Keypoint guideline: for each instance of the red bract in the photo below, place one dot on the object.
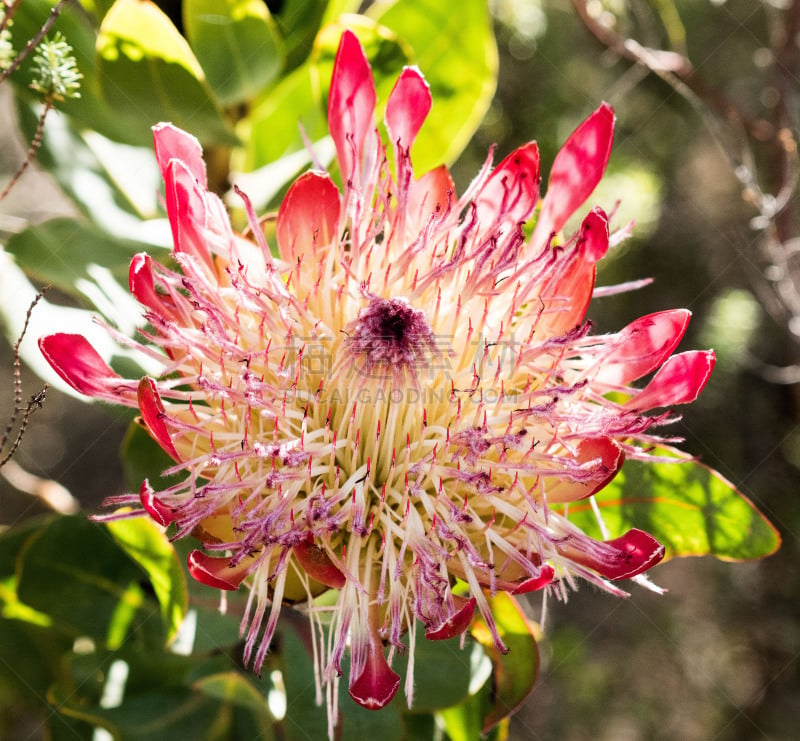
(401, 403)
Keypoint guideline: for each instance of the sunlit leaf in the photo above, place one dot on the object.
(116, 185)
(91, 108)
(147, 544)
(688, 507)
(456, 51)
(61, 252)
(148, 73)
(299, 21)
(515, 672)
(236, 43)
(273, 128)
(74, 571)
(304, 717)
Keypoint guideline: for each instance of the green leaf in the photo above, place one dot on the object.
(60, 252)
(441, 672)
(164, 696)
(143, 458)
(688, 507)
(462, 74)
(148, 73)
(299, 21)
(236, 43)
(232, 688)
(115, 185)
(91, 109)
(515, 672)
(147, 544)
(30, 657)
(163, 715)
(74, 571)
(97, 7)
(304, 718)
(272, 130)
(12, 540)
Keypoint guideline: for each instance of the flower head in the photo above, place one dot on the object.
(399, 405)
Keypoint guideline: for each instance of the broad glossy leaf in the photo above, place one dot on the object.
(62, 253)
(685, 505)
(74, 571)
(456, 51)
(148, 73)
(97, 7)
(515, 672)
(116, 185)
(147, 544)
(464, 722)
(236, 43)
(299, 21)
(91, 109)
(273, 128)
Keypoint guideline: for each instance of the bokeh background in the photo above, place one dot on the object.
(698, 151)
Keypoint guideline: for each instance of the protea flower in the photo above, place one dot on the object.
(400, 403)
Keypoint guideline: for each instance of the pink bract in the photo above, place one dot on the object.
(398, 398)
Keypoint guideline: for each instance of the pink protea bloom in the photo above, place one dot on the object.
(400, 404)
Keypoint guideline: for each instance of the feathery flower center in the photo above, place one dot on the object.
(389, 333)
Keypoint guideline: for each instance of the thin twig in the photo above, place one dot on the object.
(34, 403)
(34, 42)
(9, 9)
(30, 155)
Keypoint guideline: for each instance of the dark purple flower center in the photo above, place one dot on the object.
(389, 332)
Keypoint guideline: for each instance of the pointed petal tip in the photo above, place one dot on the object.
(308, 216)
(154, 415)
(77, 362)
(537, 582)
(351, 103)
(318, 565)
(173, 143)
(377, 684)
(456, 624)
(577, 169)
(216, 572)
(679, 381)
(158, 511)
(408, 106)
